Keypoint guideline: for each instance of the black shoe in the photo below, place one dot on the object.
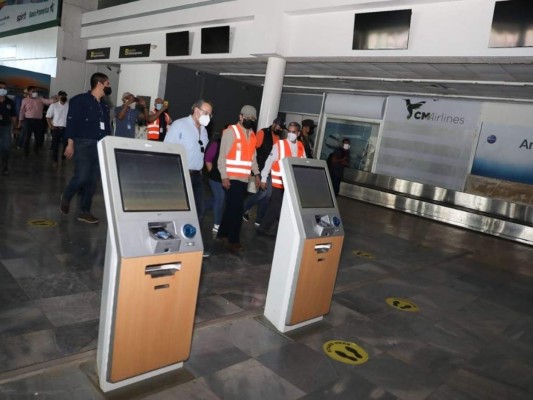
(64, 206)
(245, 217)
(88, 218)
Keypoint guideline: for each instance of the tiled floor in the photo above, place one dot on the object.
(471, 339)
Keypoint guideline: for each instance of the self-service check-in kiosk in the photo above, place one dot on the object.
(153, 261)
(308, 247)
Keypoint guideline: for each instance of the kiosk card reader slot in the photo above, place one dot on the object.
(163, 237)
(305, 264)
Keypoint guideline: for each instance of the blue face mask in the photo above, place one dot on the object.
(158, 106)
(3, 92)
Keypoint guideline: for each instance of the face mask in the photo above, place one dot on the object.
(34, 94)
(346, 146)
(292, 136)
(107, 90)
(3, 92)
(63, 99)
(247, 123)
(158, 106)
(204, 120)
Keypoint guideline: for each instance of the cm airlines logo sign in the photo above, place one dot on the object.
(416, 111)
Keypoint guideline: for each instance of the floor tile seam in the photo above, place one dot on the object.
(495, 377)
(355, 285)
(241, 315)
(47, 366)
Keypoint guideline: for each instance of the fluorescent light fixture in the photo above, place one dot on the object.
(8, 52)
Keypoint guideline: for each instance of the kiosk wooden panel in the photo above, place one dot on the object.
(316, 279)
(154, 316)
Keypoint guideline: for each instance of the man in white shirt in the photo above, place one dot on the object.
(190, 132)
(56, 116)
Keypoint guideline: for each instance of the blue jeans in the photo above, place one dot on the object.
(86, 173)
(261, 198)
(219, 195)
(5, 146)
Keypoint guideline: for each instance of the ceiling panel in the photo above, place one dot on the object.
(453, 79)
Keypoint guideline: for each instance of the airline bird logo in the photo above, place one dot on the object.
(412, 107)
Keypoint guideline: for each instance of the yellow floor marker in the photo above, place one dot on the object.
(402, 304)
(42, 223)
(364, 254)
(345, 352)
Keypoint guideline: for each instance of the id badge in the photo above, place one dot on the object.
(102, 126)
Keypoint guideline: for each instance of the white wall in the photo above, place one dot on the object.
(298, 28)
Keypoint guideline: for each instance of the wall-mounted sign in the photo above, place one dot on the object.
(428, 140)
(98, 54)
(27, 16)
(505, 152)
(134, 51)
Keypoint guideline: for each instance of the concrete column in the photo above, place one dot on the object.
(271, 91)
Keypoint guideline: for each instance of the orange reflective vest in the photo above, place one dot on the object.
(239, 158)
(284, 150)
(153, 128)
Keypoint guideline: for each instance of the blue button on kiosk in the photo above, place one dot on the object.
(308, 247)
(153, 261)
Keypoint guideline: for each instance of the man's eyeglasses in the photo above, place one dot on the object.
(201, 146)
(205, 112)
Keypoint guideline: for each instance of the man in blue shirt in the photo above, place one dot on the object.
(190, 132)
(88, 121)
(127, 117)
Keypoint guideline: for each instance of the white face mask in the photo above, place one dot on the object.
(292, 136)
(3, 92)
(158, 106)
(34, 94)
(204, 120)
(346, 146)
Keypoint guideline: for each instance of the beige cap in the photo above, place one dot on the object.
(126, 94)
(249, 112)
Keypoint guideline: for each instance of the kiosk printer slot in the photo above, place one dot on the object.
(308, 247)
(153, 261)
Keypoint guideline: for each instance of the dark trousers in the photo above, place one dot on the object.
(86, 173)
(230, 227)
(5, 147)
(35, 126)
(198, 192)
(273, 210)
(58, 138)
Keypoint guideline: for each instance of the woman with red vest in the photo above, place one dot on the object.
(236, 161)
(290, 147)
(158, 121)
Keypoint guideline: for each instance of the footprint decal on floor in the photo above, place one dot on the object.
(345, 352)
(402, 304)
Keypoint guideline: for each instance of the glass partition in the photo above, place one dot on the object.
(362, 135)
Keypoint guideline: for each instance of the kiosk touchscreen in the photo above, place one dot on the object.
(308, 247)
(153, 261)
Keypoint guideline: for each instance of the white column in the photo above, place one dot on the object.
(143, 80)
(271, 91)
